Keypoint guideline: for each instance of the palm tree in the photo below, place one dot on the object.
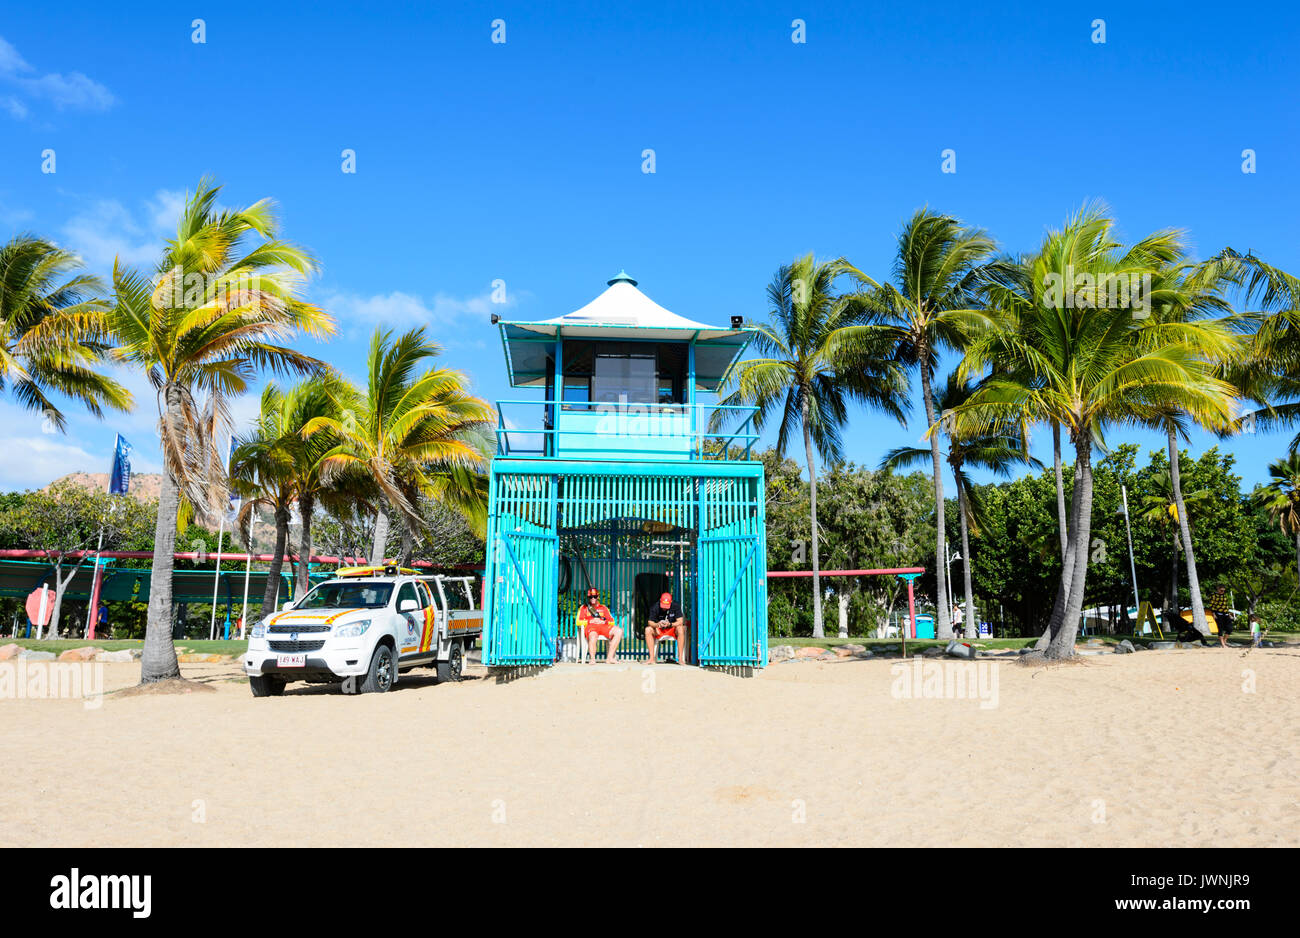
(275, 467)
(932, 309)
(1183, 297)
(1000, 451)
(1281, 496)
(1160, 507)
(818, 351)
(208, 318)
(410, 431)
(1077, 354)
(52, 331)
(1006, 286)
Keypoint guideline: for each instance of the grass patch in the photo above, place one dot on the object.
(192, 646)
(873, 643)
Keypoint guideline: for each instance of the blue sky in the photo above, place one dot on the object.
(521, 161)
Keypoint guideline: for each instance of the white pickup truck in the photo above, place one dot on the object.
(363, 629)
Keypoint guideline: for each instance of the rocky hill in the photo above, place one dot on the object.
(144, 485)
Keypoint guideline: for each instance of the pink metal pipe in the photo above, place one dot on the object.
(885, 570)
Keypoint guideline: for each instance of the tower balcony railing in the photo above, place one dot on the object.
(621, 431)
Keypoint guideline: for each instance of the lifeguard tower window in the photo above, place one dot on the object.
(623, 372)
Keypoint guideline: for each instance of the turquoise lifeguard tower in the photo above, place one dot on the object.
(614, 480)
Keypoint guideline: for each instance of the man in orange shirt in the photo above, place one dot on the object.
(596, 621)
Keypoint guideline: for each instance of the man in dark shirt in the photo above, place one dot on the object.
(666, 621)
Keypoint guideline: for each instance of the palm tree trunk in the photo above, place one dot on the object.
(1060, 487)
(408, 545)
(158, 659)
(1171, 602)
(942, 620)
(306, 505)
(381, 538)
(1193, 582)
(277, 561)
(1297, 555)
(972, 623)
(819, 630)
(1065, 619)
(1067, 564)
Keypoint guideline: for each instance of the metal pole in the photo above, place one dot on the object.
(216, 578)
(952, 611)
(911, 611)
(1128, 532)
(248, 569)
(94, 589)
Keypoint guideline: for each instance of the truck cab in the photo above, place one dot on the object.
(363, 630)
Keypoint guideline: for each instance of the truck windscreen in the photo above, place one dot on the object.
(352, 594)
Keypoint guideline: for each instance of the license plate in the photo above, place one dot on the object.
(291, 661)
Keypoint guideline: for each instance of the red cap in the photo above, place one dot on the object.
(666, 600)
(593, 592)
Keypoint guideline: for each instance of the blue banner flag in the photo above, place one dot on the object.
(119, 481)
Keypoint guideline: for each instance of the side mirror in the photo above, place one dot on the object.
(287, 606)
(407, 605)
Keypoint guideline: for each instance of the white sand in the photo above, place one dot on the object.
(1156, 748)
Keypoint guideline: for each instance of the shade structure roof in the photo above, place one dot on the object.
(620, 313)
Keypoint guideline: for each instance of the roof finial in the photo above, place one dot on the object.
(621, 278)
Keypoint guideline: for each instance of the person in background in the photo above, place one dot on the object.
(1222, 610)
(595, 621)
(1256, 634)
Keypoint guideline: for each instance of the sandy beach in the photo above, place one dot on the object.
(1150, 749)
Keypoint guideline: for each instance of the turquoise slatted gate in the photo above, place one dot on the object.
(524, 547)
(732, 581)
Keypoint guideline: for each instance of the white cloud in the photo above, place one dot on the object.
(35, 461)
(401, 311)
(73, 91)
(108, 229)
(10, 61)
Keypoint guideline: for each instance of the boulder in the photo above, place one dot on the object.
(810, 651)
(848, 651)
(80, 654)
(864, 653)
(780, 653)
(10, 651)
(932, 651)
(29, 655)
(125, 655)
(958, 649)
(1164, 646)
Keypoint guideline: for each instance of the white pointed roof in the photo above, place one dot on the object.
(621, 312)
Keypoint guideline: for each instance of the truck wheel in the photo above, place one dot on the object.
(451, 669)
(380, 676)
(264, 685)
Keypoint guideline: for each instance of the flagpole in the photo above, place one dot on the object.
(216, 579)
(221, 528)
(94, 589)
(248, 569)
(97, 575)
